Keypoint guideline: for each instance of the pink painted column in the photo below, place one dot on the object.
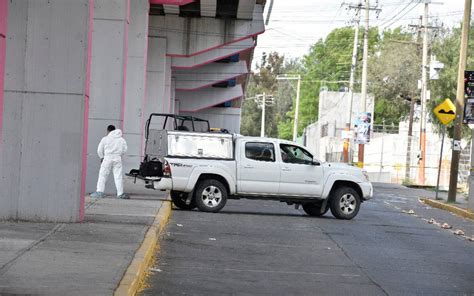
(85, 134)
(143, 119)
(125, 61)
(3, 47)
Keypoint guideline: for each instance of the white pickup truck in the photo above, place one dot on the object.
(203, 170)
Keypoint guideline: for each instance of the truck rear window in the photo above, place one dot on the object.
(260, 151)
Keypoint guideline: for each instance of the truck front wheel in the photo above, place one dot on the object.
(210, 195)
(344, 203)
(179, 200)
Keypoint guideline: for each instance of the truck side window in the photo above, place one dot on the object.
(295, 154)
(260, 151)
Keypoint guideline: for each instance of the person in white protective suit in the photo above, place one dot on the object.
(111, 149)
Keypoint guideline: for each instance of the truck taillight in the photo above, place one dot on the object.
(167, 169)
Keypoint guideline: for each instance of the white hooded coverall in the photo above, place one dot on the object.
(111, 148)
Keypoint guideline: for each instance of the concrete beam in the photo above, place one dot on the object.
(187, 37)
(212, 55)
(245, 9)
(171, 9)
(207, 97)
(208, 8)
(158, 78)
(228, 118)
(42, 160)
(136, 83)
(108, 78)
(207, 75)
(3, 49)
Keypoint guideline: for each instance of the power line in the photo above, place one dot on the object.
(408, 11)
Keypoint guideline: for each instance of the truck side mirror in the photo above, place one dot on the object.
(316, 162)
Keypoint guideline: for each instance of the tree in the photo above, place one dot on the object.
(446, 48)
(393, 75)
(326, 65)
(264, 81)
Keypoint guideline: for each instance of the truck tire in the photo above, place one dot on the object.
(314, 209)
(210, 195)
(179, 200)
(344, 203)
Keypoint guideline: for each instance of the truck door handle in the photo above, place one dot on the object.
(248, 167)
(286, 169)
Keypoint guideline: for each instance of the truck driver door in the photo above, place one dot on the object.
(258, 169)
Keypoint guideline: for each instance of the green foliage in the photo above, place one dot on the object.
(446, 48)
(393, 75)
(327, 65)
(264, 81)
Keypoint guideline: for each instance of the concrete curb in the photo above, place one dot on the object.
(448, 207)
(137, 269)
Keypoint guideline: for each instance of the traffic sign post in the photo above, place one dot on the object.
(446, 112)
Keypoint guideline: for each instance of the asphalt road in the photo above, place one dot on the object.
(269, 248)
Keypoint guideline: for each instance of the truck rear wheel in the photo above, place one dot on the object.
(179, 200)
(210, 195)
(314, 209)
(345, 203)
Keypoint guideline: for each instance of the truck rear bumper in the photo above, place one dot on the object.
(367, 190)
(163, 184)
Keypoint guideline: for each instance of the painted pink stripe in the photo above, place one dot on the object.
(145, 93)
(214, 47)
(3, 49)
(212, 83)
(172, 2)
(210, 106)
(212, 60)
(85, 133)
(125, 63)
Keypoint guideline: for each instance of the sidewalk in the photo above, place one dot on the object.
(87, 258)
(430, 194)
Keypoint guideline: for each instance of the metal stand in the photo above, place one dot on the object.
(440, 160)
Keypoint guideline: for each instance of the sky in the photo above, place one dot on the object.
(297, 24)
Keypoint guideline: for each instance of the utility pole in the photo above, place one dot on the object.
(424, 91)
(412, 113)
(262, 100)
(363, 101)
(424, 87)
(262, 127)
(297, 107)
(351, 83)
(453, 178)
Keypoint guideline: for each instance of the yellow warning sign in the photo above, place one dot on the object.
(446, 111)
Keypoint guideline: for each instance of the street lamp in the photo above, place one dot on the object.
(295, 123)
